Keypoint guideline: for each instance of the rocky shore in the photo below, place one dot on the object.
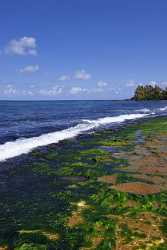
(106, 190)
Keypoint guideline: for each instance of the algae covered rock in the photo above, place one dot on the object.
(27, 246)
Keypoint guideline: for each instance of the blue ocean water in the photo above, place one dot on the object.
(25, 125)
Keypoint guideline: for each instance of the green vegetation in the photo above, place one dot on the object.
(149, 92)
(57, 202)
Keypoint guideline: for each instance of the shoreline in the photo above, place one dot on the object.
(21, 146)
(95, 191)
(21, 159)
(113, 127)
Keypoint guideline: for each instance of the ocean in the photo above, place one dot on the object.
(26, 125)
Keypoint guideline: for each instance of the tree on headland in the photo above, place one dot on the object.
(149, 92)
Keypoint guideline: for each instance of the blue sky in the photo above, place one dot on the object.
(81, 49)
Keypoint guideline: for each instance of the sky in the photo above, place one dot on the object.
(81, 49)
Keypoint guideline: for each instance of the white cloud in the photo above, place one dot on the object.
(77, 90)
(53, 91)
(27, 92)
(117, 92)
(102, 84)
(64, 78)
(9, 89)
(22, 46)
(153, 83)
(12, 90)
(29, 69)
(131, 83)
(81, 75)
(163, 83)
(78, 75)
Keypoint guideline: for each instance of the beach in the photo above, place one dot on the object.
(103, 190)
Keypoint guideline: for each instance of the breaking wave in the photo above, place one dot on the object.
(144, 110)
(163, 109)
(25, 145)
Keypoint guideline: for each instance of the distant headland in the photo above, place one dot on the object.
(149, 92)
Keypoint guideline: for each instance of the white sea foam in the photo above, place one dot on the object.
(144, 110)
(25, 145)
(163, 109)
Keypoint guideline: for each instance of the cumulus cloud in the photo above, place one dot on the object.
(13, 91)
(102, 84)
(64, 78)
(23, 46)
(81, 75)
(53, 91)
(130, 83)
(117, 91)
(78, 90)
(133, 83)
(27, 92)
(153, 83)
(163, 83)
(29, 69)
(78, 75)
(8, 89)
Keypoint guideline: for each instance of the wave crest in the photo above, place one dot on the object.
(23, 146)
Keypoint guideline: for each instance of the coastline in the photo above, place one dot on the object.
(106, 190)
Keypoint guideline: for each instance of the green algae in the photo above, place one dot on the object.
(94, 152)
(27, 246)
(40, 201)
(116, 143)
(42, 168)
